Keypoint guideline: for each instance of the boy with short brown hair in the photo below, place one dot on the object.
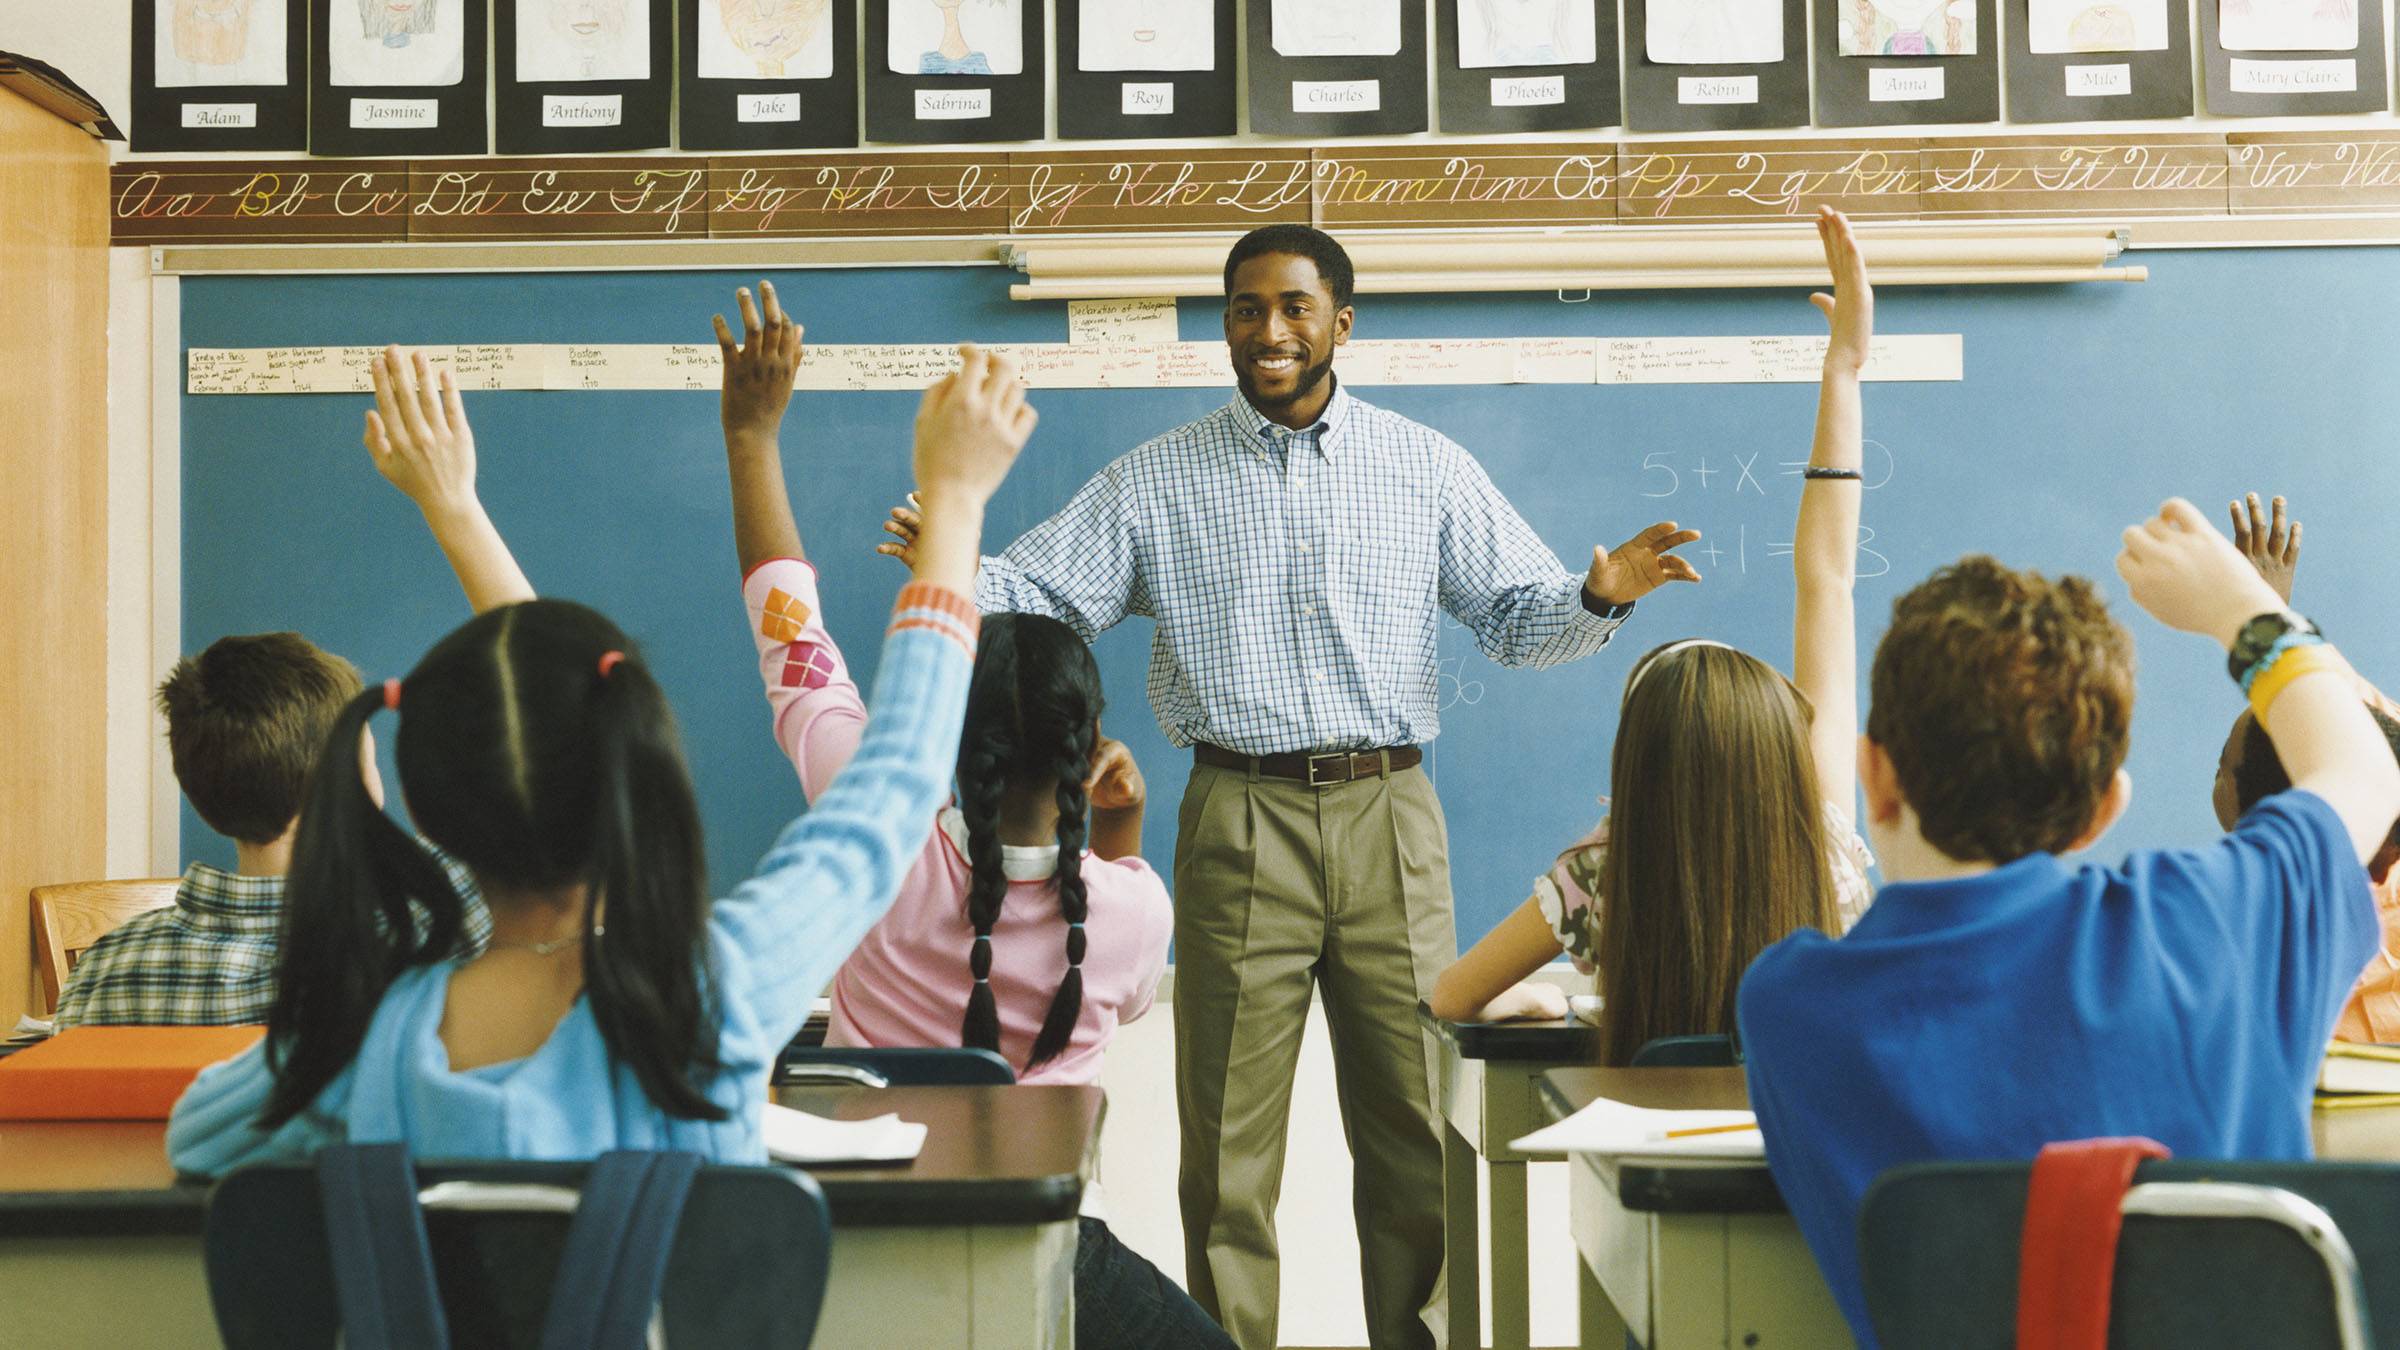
(1996, 998)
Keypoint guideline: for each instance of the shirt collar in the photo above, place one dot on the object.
(1018, 862)
(1256, 428)
(216, 896)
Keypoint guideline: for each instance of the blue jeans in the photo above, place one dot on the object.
(1122, 1302)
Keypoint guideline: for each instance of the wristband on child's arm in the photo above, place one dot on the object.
(2293, 662)
(2274, 652)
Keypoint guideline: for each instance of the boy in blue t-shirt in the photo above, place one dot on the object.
(1996, 998)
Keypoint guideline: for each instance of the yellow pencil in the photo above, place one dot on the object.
(1711, 1129)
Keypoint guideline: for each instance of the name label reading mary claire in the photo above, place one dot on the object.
(952, 105)
(2293, 77)
(1717, 89)
(1337, 96)
(395, 112)
(582, 110)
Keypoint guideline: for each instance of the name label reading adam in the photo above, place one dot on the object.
(243, 116)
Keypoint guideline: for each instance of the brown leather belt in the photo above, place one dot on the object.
(1341, 766)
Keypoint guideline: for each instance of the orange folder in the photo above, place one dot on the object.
(113, 1073)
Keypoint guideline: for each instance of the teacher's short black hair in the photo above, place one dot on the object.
(1301, 241)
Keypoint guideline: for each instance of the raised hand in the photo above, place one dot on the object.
(1851, 308)
(1640, 565)
(902, 525)
(418, 437)
(2189, 577)
(759, 372)
(1115, 782)
(421, 442)
(970, 427)
(2272, 547)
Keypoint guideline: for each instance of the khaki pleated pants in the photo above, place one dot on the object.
(1281, 888)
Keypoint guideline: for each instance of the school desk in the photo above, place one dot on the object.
(1488, 1095)
(1703, 1253)
(972, 1245)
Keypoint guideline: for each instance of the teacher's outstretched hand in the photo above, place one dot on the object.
(1640, 565)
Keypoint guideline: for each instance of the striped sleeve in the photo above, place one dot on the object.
(925, 605)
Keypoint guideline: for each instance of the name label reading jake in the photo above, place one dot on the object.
(1529, 91)
(783, 107)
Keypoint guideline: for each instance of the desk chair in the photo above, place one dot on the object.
(68, 918)
(1687, 1052)
(747, 1262)
(2291, 1255)
(913, 1066)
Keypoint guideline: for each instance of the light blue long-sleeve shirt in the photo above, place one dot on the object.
(773, 945)
(1299, 577)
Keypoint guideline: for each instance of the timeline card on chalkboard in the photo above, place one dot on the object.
(2276, 58)
(1884, 63)
(1131, 69)
(220, 75)
(1336, 67)
(768, 75)
(397, 77)
(1526, 65)
(579, 76)
(946, 72)
(1715, 65)
(2099, 60)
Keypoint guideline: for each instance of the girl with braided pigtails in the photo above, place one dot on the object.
(1027, 925)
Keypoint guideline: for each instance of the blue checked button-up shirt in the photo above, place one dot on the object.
(1298, 577)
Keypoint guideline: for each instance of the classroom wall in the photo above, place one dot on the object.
(53, 487)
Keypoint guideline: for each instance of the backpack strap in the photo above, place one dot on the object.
(2067, 1258)
(615, 1260)
(382, 1262)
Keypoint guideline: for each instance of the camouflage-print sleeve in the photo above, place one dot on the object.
(1574, 914)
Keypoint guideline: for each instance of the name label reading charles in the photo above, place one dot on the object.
(1337, 96)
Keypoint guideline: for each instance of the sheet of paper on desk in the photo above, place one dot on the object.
(798, 1137)
(1615, 1128)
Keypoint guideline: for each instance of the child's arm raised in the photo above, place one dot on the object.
(1825, 549)
(2190, 577)
(834, 872)
(420, 441)
(758, 387)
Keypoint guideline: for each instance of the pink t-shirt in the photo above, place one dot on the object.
(907, 983)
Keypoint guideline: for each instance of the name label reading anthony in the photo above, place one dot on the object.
(582, 110)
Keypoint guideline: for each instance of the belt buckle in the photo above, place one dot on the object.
(1340, 762)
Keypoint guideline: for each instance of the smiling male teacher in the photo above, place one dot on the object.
(1296, 548)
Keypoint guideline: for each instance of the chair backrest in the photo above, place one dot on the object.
(1687, 1052)
(748, 1267)
(69, 917)
(2212, 1253)
(911, 1066)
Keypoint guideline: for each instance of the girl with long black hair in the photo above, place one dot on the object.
(615, 1006)
(1027, 926)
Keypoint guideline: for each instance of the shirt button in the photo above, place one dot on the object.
(1304, 546)
(1308, 611)
(1317, 675)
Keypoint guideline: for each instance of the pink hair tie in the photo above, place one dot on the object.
(609, 661)
(391, 695)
